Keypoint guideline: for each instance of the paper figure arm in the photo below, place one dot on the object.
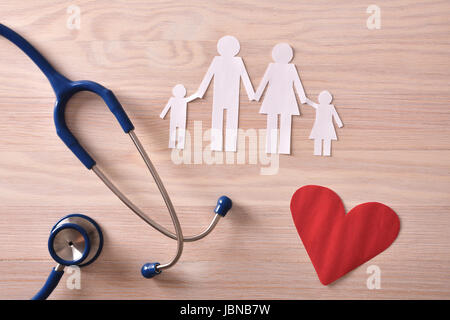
(246, 80)
(207, 79)
(336, 118)
(166, 109)
(311, 103)
(298, 85)
(192, 97)
(263, 84)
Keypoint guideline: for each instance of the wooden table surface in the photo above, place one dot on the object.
(390, 87)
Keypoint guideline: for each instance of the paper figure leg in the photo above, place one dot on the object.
(327, 147)
(285, 134)
(231, 130)
(272, 133)
(317, 147)
(181, 138)
(216, 129)
(172, 136)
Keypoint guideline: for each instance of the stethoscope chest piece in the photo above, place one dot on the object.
(75, 240)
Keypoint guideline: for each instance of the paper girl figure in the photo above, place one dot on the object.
(323, 129)
(227, 70)
(281, 78)
(178, 105)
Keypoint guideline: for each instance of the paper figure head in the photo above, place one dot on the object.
(228, 46)
(325, 97)
(179, 91)
(282, 53)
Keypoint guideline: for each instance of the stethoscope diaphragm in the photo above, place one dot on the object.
(76, 239)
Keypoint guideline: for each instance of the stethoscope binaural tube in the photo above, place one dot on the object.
(224, 204)
(64, 89)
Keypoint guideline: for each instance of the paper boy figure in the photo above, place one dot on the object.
(178, 105)
(323, 129)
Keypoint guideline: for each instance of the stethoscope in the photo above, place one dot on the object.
(77, 239)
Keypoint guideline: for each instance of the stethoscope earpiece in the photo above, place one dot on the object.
(149, 270)
(224, 204)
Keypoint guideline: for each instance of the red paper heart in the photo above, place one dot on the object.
(337, 242)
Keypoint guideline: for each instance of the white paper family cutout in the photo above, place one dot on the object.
(282, 82)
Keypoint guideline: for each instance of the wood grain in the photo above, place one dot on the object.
(390, 87)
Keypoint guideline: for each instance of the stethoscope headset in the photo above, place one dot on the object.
(77, 239)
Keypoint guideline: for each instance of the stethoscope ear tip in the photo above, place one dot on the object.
(149, 270)
(224, 204)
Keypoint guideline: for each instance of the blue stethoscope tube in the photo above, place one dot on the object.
(50, 285)
(64, 89)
